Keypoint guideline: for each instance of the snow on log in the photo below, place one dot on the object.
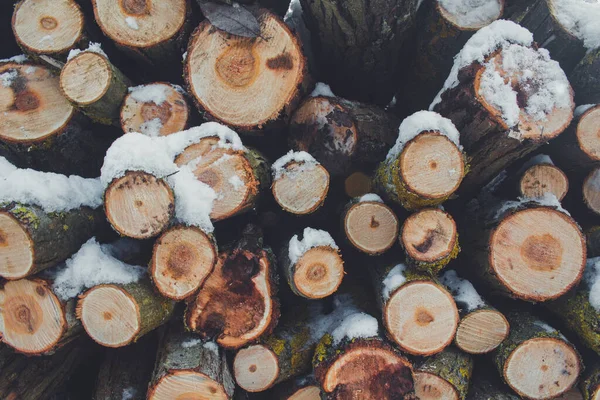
(590, 385)
(534, 348)
(540, 177)
(370, 225)
(585, 80)
(300, 183)
(425, 166)
(94, 85)
(342, 134)
(482, 327)
(445, 375)
(490, 98)
(593, 241)
(155, 109)
(246, 82)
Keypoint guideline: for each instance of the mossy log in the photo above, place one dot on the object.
(116, 315)
(33, 240)
(536, 361)
(301, 189)
(590, 385)
(188, 368)
(585, 79)
(370, 226)
(445, 375)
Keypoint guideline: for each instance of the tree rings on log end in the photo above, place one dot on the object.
(139, 205)
(85, 78)
(487, 12)
(300, 189)
(371, 227)
(432, 387)
(182, 259)
(308, 393)
(544, 178)
(255, 368)
(245, 82)
(184, 384)
(32, 319)
(481, 331)
(537, 253)
(319, 272)
(109, 315)
(31, 104)
(591, 191)
(16, 248)
(421, 317)
(588, 133)
(554, 364)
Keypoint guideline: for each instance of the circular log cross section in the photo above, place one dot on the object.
(481, 331)
(319, 272)
(301, 190)
(182, 259)
(109, 315)
(31, 104)
(184, 385)
(47, 27)
(255, 368)
(86, 78)
(432, 387)
(357, 184)
(140, 23)
(554, 364)
(16, 248)
(153, 119)
(139, 205)
(588, 133)
(308, 393)
(538, 253)
(32, 319)
(421, 317)
(591, 191)
(541, 179)
(431, 166)
(371, 227)
(245, 82)
(488, 12)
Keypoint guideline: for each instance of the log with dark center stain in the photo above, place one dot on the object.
(23, 314)
(180, 261)
(430, 237)
(152, 111)
(48, 23)
(283, 61)
(542, 252)
(134, 7)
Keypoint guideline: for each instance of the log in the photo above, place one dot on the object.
(541, 179)
(590, 385)
(534, 349)
(33, 320)
(33, 240)
(370, 225)
(302, 388)
(445, 375)
(593, 241)
(188, 368)
(229, 76)
(430, 240)
(93, 84)
(156, 109)
(182, 259)
(584, 79)
(482, 327)
(342, 134)
(139, 205)
(591, 191)
(352, 49)
(489, 387)
(115, 315)
(419, 314)
(357, 184)
(237, 303)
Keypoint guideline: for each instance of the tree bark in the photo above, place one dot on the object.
(590, 386)
(444, 375)
(585, 79)
(593, 242)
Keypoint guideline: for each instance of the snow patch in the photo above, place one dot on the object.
(129, 393)
(310, 238)
(19, 59)
(193, 199)
(8, 77)
(151, 127)
(591, 277)
(132, 23)
(472, 13)
(393, 280)
(301, 157)
(236, 182)
(462, 290)
(358, 325)
(322, 89)
(93, 47)
(191, 343)
(153, 93)
(212, 346)
(580, 18)
(544, 326)
(548, 200)
(370, 197)
(580, 110)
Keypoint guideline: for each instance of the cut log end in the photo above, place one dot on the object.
(372, 227)
(588, 133)
(489, 11)
(187, 385)
(86, 78)
(139, 205)
(182, 259)
(553, 362)
(308, 393)
(16, 248)
(429, 235)
(32, 319)
(156, 119)
(421, 317)
(245, 82)
(538, 253)
(301, 190)
(109, 315)
(47, 27)
(591, 191)
(319, 272)
(357, 184)
(31, 104)
(481, 331)
(256, 368)
(541, 179)
(432, 387)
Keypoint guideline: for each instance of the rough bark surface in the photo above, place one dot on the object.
(452, 365)
(585, 79)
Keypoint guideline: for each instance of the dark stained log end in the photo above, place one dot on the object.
(16, 248)
(371, 227)
(256, 368)
(481, 331)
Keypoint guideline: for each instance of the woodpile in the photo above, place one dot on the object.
(350, 200)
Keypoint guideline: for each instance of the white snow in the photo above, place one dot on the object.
(93, 265)
(184, 56)
(419, 122)
(132, 23)
(581, 18)
(193, 199)
(548, 200)
(30, 70)
(545, 326)
(472, 13)
(151, 127)
(94, 47)
(300, 157)
(8, 77)
(394, 279)
(52, 192)
(496, 35)
(580, 110)
(129, 393)
(191, 343)
(357, 325)
(19, 59)
(370, 197)
(47, 38)
(310, 238)
(591, 277)
(212, 346)
(153, 93)
(462, 290)
(322, 89)
(236, 182)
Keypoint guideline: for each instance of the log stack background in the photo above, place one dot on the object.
(357, 245)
